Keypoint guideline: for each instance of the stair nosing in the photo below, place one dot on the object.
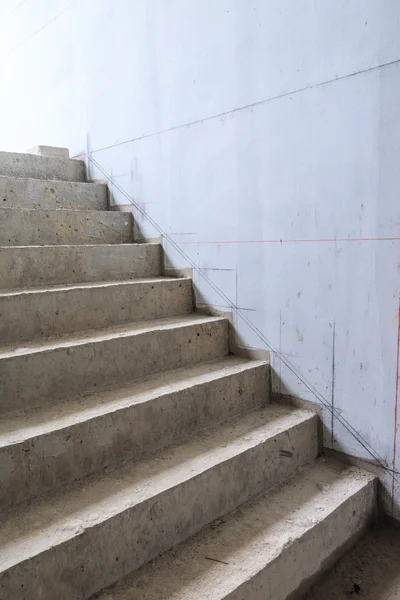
(90, 284)
(100, 211)
(152, 475)
(56, 181)
(142, 391)
(229, 568)
(117, 245)
(83, 338)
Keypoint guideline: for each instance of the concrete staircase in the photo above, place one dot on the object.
(127, 428)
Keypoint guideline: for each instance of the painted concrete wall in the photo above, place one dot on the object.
(263, 137)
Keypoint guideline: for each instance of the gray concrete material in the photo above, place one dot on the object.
(43, 449)
(39, 313)
(51, 195)
(38, 266)
(13, 164)
(21, 227)
(266, 549)
(49, 151)
(373, 566)
(45, 372)
(73, 543)
(289, 149)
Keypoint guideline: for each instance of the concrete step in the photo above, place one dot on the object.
(13, 164)
(70, 544)
(49, 151)
(41, 312)
(42, 449)
(270, 549)
(52, 195)
(45, 372)
(38, 266)
(22, 227)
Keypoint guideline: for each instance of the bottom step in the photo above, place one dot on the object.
(269, 549)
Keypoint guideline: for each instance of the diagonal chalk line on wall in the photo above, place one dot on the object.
(243, 317)
(247, 106)
(294, 241)
(35, 33)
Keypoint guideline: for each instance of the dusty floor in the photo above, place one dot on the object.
(371, 571)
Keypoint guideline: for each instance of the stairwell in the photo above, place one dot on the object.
(135, 451)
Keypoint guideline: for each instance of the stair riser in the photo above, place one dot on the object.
(24, 267)
(45, 377)
(99, 556)
(52, 195)
(41, 463)
(33, 315)
(41, 167)
(37, 227)
(313, 553)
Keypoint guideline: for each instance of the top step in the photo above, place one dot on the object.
(49, 151)
(43, 163)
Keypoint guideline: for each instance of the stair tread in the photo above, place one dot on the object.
(48, 182)
(25, 425)
(61, 515)
(225, 555)
(80, 211)
(59, 210)
(99, 335)
(41, 246)
(88, 284)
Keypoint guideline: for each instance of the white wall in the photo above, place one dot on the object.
(41, 74)
(263, 136)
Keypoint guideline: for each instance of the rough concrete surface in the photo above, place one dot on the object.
(127, 426)
(47, 371)
(35, 266)
(94, 533)
(270, 125)
(267, 548)
(370, 571)
(37, 313)
(41, 167)
(47, 227)
(42, 449)
(51, 195)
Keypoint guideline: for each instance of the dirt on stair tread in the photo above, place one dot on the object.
(229, 552)
(61, 515)
(96, 335)
(20, 426)
(370, 571)
(90, 284)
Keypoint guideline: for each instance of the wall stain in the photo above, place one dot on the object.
(300, 334)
